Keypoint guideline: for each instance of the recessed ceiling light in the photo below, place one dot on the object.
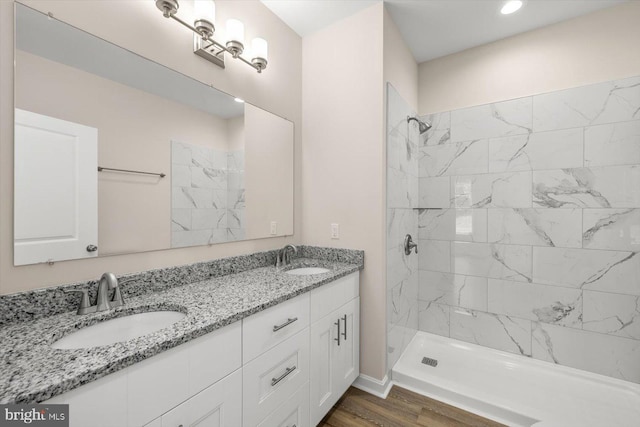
(511, 6)
(239, 100)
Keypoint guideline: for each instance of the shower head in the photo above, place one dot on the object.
(422, 126)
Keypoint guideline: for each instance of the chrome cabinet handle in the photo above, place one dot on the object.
(338, 325)
(92, 248)
(344, 334)
(275, 381)
(287, 323)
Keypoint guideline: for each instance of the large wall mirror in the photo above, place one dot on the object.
(117, 154)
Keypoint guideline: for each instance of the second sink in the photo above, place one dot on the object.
(119, 329)
(307, 271)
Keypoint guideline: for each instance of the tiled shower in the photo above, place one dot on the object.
(528, 220)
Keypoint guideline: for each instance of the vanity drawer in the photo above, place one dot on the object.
(328, 298)
(269, 380)
(294, 412)
(266, 329)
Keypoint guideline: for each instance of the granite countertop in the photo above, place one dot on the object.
(32, 371)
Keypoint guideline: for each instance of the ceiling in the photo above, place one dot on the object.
(37, 34)
(435, 28)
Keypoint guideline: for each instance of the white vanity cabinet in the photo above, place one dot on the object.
(138, 394)
(335, 343)
(281, 367)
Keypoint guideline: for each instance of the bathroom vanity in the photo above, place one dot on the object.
(261, 347)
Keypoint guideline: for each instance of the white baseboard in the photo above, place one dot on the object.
(373, 386)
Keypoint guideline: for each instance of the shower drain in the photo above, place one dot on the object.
(429, 361)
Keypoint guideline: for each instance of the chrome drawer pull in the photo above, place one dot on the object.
(287, 323)
(275, 381)
(338, 325)
(344, 334)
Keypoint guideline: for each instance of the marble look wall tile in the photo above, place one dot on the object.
(435, 192)
(440, 132)
(470, 225)
(395, 142)
(401, 298)
(180, 219)
(613, 314)
(453, 289)
(235, 160)
(608, 271)
(235, 199)
(512, 190)
(180, 239)
(219, 199)
(608, 102)
(491, 330)
(219, 235)
(219, 159)
(234, 234)
(546, 304)
(493, 120)
(436, 224)
(460, 158)
(617, 229)
(509, 262)
(235, 180)
(180, 153)
(208, 178)
(400, 335)
(201, 156)
(433, 318)
(183, 197)
(235, 218)
(399, 266)
(203, 219)
(401, 222)
(603, 354)
(610, 187)
(435, 255)
(399, 194)
(544, 150)
(612, 144)
(537, 227)
(397, 111)
(180, 175)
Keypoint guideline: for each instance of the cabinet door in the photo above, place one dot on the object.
(324, 352)
(216, 406)
(347, 363)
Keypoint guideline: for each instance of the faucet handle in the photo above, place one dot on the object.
(84, 299)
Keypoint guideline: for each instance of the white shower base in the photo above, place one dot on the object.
(515, 390)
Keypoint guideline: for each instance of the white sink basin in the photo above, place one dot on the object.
(307, 271)
(119, 329)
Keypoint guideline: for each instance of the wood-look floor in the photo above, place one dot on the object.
(402, 408)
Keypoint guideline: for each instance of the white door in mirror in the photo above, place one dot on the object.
(56, 189)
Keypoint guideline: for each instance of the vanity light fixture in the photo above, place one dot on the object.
(511, 6)
(203, 28)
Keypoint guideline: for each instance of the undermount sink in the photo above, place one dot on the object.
(308, 271)
(119, 329)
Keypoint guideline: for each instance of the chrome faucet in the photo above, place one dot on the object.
(108, 281)
(284, 258)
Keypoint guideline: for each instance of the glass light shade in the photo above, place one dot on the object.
(235, 31)
(204, 9)
(259, 48)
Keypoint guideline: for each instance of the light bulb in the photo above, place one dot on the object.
(259, 48)
(204, 9)
(235, 31)
(511, 6)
